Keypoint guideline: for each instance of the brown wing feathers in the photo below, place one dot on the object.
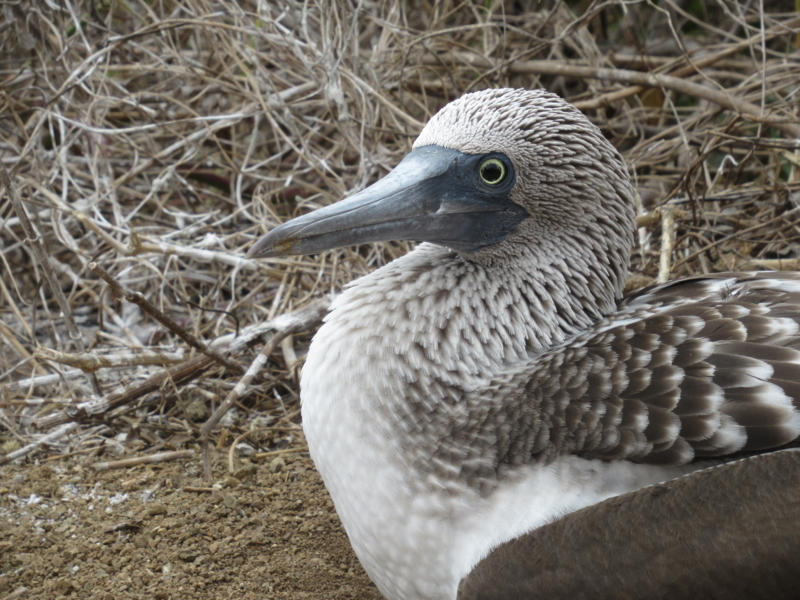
(700, 369)
(720, 533)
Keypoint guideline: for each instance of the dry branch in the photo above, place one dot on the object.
(785, 123)
(152, 310)
(667, 241)
(51, 437)
(143, 460)
(33, 239)
(42, 380)
(693, 66)
(89, 361)
(190, 369)
(284, 326)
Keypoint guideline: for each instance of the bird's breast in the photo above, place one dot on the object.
(395, 531)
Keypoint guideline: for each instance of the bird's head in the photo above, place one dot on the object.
(495, 175)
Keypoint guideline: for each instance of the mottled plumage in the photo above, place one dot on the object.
(696, 369)
(457, 399)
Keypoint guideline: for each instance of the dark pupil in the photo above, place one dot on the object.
(491, 172)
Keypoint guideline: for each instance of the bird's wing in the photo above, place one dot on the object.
(700, 368)
(717, 533)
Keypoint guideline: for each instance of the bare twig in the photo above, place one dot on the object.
(188, 370)
(179, 375)
(143, 460)
(91, 361)
(667, 241)
(284, 325)
(38, 444)
(152, 310)
(34, 382)
(694, 66)
(558, 68)
(35, 242)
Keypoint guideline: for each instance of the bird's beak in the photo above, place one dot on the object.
(432, 195)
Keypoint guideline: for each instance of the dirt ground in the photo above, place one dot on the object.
(160, 532)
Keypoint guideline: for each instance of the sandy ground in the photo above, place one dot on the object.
(160, 532)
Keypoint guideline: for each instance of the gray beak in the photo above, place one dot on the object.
(435, 194)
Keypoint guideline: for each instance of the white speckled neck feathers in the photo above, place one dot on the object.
(431, 327)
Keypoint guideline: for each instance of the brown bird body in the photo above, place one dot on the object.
(727, 533)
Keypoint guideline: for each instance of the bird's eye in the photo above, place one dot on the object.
(493, 171)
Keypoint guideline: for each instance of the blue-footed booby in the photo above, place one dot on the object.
(468, 395)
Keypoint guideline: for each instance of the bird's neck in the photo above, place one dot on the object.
(405, 346)
(444, 314)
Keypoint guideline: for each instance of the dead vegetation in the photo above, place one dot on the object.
(150, 142)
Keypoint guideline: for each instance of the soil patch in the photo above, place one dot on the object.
(151, 532)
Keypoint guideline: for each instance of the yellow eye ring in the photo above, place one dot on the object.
(492, 171)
